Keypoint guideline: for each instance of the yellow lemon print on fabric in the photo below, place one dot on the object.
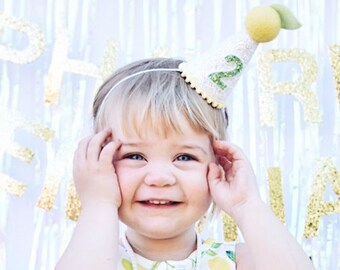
(209, 241)
(218, 264)
(127, 265)
(139, 267)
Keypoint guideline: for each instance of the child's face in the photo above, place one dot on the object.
(163, 181)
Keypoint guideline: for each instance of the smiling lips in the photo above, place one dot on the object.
(157, 202)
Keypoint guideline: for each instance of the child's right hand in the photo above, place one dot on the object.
(94, 174)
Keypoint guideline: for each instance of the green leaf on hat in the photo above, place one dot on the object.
(288, 20)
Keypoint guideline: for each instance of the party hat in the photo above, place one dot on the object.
(213, 75)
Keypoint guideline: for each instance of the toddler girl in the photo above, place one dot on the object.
(157, 161)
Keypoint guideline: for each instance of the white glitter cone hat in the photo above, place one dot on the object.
(213, 75)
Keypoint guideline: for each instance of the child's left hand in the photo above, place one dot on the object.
(232, 183)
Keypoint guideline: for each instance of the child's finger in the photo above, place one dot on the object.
(215, 176)
(96, 144)
(224, 162)
(109, 150)
(215, 173)
(81, 151)
(79, 158)
(228, 150)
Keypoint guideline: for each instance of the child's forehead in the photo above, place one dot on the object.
(131, 125)
(169, 138)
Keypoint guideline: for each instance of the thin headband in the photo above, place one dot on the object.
(134, 75)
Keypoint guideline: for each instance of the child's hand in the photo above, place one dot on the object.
(232, 183)
(93, 171)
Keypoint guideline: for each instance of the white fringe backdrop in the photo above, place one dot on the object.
(54, 54)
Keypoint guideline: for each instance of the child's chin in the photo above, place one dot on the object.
(166, 231)
(163, 234)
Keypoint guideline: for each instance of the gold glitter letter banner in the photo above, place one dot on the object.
(229, 228)
(49, 191)
(334, 53)
(299, 88)
(35, 36)
(60, 64)
(9, 121)
(17, 120)
(276, 194)
(11, 186)
(326, 171)
(73, 206)
(56, 171)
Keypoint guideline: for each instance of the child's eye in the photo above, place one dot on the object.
(134, 157)
(185, 157)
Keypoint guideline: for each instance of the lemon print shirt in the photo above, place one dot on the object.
(214, 256)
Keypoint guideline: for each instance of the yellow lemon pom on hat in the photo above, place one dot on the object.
(263, 23)
(213, 75)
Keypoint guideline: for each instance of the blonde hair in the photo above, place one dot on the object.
(154, 100)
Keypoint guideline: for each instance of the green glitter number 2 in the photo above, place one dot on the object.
(217, 76)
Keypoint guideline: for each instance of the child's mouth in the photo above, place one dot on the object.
(159, 202)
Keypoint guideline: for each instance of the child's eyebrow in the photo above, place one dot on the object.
(194, 147)
(133, 144)
(179, 146)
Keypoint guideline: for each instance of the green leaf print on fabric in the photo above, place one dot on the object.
(211, 251)
(169, 266)
(155, 265)
(127, 265)
(193, 263)
(216, 245)
(231, 255)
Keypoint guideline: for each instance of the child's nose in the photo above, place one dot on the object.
(160, 176)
